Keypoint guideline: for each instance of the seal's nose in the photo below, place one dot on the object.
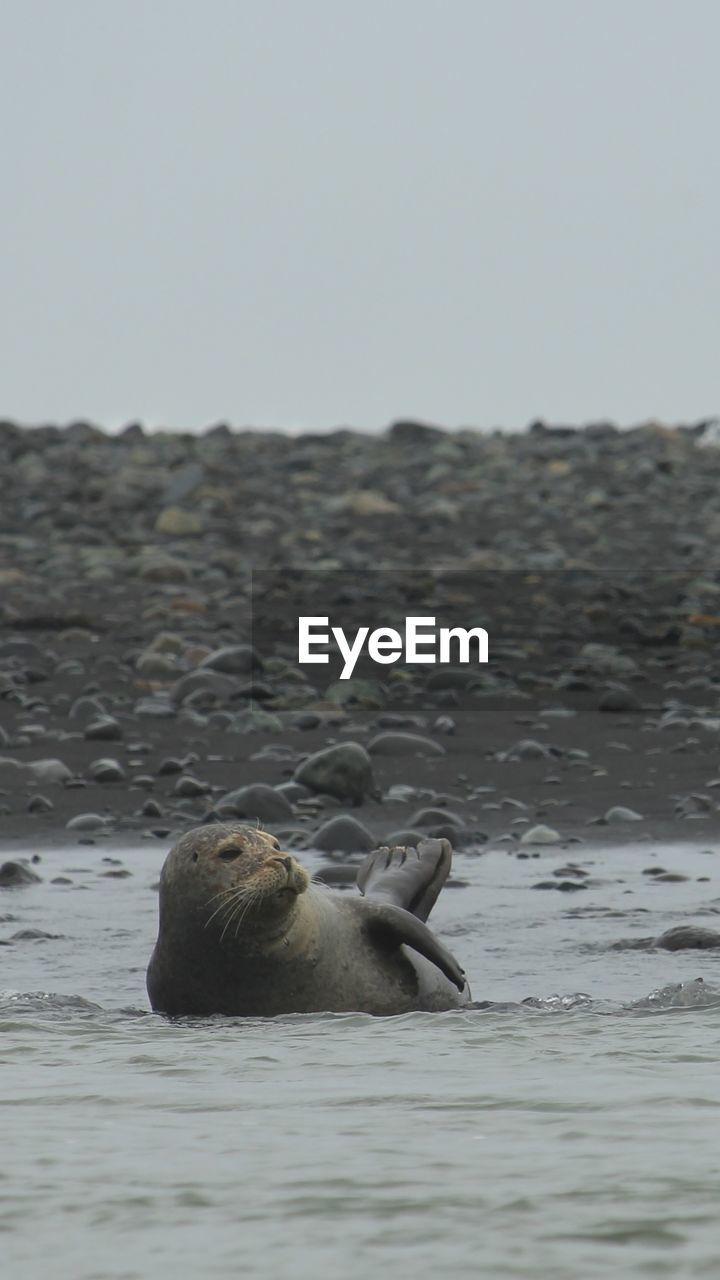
(286, 861)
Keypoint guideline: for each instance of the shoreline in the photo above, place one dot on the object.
(148, 585)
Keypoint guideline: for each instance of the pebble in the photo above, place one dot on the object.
(107, 770)
(189, 786)
(619, 700)
(607, 660)
(39, 804)
(86, 822)
(526, 749)
(157, 707)
(618, 813)
(236, 659)
(540, 835)
(179, 523)
(105, 729)
(404, 744)
(215, 687)
(157, 666)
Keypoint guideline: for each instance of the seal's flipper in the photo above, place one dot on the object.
(393, 926)
(407, 877)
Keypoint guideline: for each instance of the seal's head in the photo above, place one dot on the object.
(227, 877)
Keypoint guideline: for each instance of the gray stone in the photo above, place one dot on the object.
(619, 699)
(50, 771)
(158, 707)
(107, 770)
(367, 694)
(255, 720)
(182, 482)
(189, 786)
(257, 802)
(343, 834)
(205, 680)
(432, 817)
(293, 791)
(179, 523)
(13, 875)
(39, 804)
(343, 771)
(151, 809)
(688, 937)
(165, 569)
(404, 744)
(158, 666)
(104, 729)
(540, 835)
(85, 708)
(233, 659)
(619, 813)
(169, 765)
(86, 822)
(606, 659)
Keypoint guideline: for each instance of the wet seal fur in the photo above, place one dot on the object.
(243, 932)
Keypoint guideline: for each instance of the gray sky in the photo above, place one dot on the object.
(304, 213)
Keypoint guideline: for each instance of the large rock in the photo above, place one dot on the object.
(48, 771)
(344, 771)
(343, 834)
(13, 875)
(257, 802)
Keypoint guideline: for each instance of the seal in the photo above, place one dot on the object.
(243, 932)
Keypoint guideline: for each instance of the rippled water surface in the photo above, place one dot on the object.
(565, 1137)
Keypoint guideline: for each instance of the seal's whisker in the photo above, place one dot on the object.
(222, 894)
(243, 914)
(240, 905)
(240, 908)
(230, 897)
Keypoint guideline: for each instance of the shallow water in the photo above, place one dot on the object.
(567, 1137)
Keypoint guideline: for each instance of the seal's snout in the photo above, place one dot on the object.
(297, 876)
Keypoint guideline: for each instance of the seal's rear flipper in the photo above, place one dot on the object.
(396, 927)
(407, 877)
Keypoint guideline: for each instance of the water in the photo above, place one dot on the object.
(574, 1136)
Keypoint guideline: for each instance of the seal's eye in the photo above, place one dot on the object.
(229, 855)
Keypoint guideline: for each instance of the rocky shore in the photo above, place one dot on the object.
(149, 584)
